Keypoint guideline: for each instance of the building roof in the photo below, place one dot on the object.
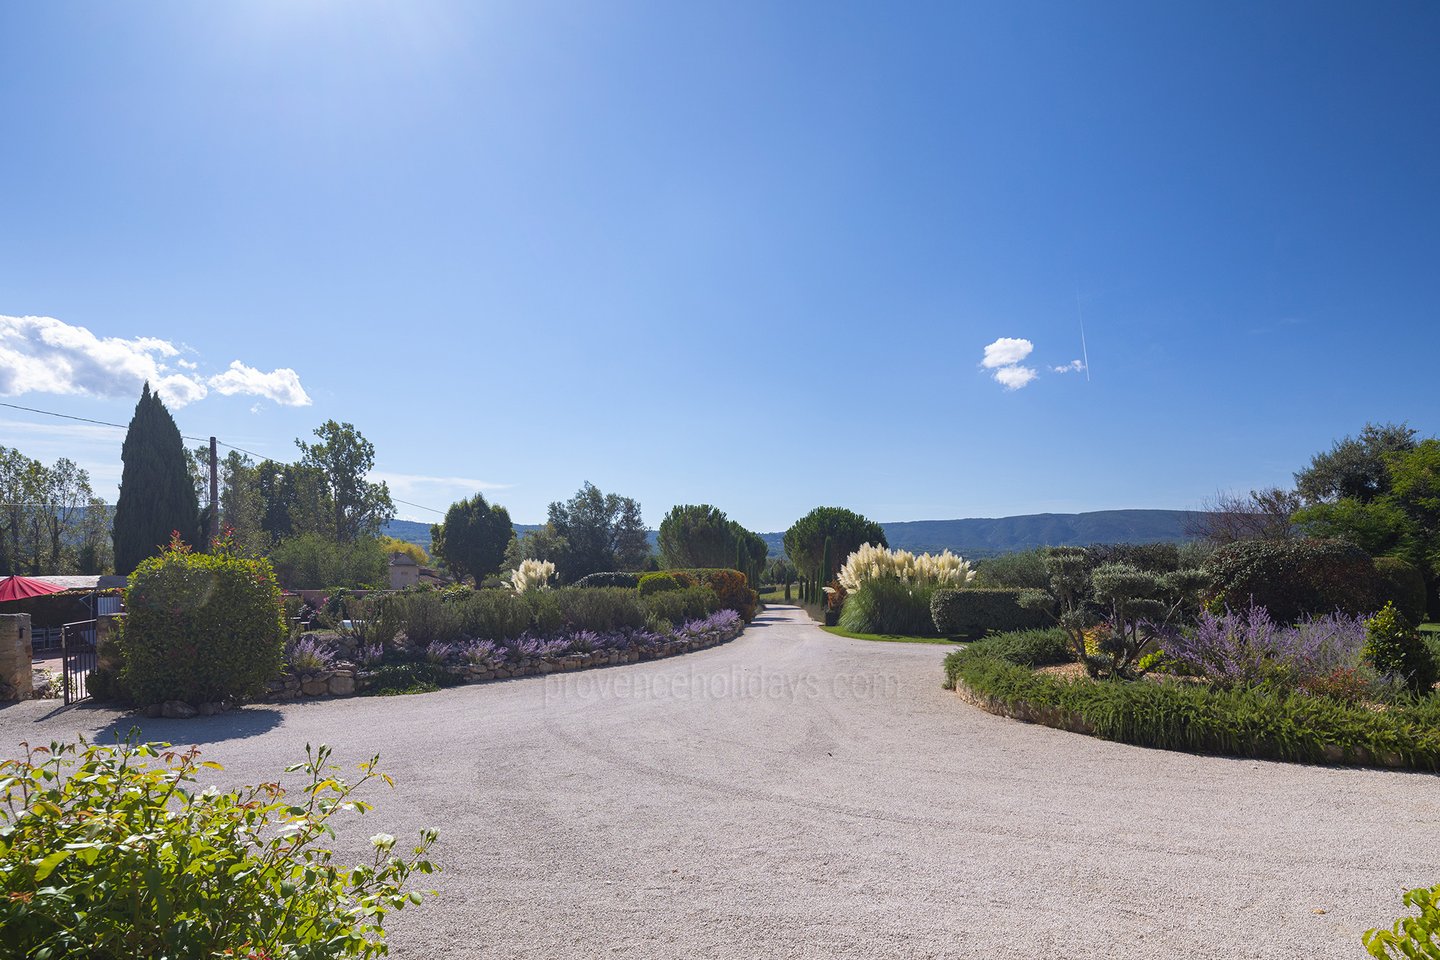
(106, 582)
(398, 559)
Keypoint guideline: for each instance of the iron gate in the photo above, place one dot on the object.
(77, 659)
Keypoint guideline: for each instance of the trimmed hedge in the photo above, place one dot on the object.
(731, 586)
(1175, 715)
(975, 611)
(610, 578)
(652, 583)
(1293, 578)
(200, 627)
(680, 606)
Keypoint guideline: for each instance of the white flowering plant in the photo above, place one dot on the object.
(532, 575)
(874, 563)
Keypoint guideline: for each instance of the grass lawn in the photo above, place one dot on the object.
(777, 596)
(889, 637)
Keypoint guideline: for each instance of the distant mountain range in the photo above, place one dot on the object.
(974, 538)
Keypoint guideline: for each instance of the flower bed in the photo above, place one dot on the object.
(1000, 675)
(477, 661)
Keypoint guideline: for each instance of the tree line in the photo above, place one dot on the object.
(320, 519)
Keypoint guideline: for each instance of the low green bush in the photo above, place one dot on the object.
(1245, 722)
(1027, 648)
(114, 852)
(889, 605)
(200, 627)
(678, 606)
(976, 611)
(398, 679)
(1394, 648)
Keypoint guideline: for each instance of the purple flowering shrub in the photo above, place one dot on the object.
(309, 655)
(443, 652)
(1245, 648)
(494, 654)
(369, 654)
(483, 654)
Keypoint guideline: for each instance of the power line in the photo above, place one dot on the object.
(222, 443)
(417, 506)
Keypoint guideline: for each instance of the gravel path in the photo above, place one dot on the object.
(795, 794)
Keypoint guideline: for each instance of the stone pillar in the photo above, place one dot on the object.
(105, 679)
(15, 655)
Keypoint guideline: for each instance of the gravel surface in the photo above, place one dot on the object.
(796, 794)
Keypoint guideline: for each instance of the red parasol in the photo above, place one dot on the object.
(19, 588)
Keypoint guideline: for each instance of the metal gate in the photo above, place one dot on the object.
(77, 659)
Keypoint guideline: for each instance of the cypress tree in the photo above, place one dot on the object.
(827, 561)
(157, 494)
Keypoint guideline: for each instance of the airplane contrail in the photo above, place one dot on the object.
(1084, 350)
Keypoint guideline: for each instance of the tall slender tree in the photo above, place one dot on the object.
(157, 493)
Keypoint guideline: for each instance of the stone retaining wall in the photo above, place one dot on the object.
(347, 679)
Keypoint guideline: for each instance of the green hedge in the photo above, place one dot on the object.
(1293, 578)
(200, 628)
(610, 578)
(976, 611)
(1176, 715)
(678, 606)
(652, 583)
(731, 587)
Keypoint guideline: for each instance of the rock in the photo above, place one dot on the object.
(292, 683)
(209, 709)
(315, 687)
(342, 684)
(154, 710)
(177, 710)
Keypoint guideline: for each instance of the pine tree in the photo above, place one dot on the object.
(157, 494)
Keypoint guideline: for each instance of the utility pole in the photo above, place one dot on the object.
(214, 493)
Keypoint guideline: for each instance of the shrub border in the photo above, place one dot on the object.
(1414, 753)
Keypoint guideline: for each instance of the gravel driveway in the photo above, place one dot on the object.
(795, 794)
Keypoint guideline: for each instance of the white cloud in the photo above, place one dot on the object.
(282, 385)
(1074, 366)
(1006, 352)
(1014, 377)
(45, 355)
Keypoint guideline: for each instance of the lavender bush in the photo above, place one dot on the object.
(490, 654)
(483, 654)
(309, 655)
(1248, 648)
(443, 652)
(369, 654)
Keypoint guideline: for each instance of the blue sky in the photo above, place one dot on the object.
(745, 254)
